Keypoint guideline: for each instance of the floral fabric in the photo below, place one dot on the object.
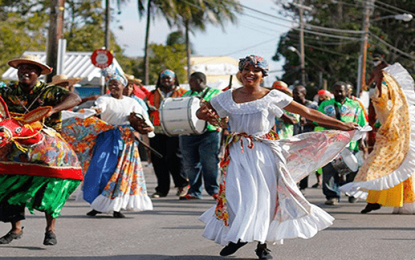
(392, 138)
(41, 95)
(81, 134)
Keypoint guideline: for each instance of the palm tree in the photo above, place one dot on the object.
(196, 14)
(188, 14)
(153, 7)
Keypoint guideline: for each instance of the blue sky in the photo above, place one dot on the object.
(249, 36)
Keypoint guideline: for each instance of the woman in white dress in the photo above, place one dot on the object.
(114, 178)
(260, 201)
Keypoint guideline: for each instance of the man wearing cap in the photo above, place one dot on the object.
(22, 97)
(167, 86)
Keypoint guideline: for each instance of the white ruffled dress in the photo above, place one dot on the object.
(263, 200)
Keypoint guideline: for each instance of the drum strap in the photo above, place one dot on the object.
(204, 93)
(336, 108)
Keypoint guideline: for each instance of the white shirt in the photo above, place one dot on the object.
(255, 117)
(116, 111)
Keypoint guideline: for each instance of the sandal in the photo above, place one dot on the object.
(50, 238)
(9, 237)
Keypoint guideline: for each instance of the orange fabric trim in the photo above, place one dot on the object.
(154, 98)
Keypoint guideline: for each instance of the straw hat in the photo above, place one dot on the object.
(30, 59)
(281, 85)
(132, 79)
(61, 78)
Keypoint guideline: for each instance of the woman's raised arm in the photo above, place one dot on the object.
(320, 118)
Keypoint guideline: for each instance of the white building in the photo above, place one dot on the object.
(75, 64)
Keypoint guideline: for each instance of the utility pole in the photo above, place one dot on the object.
(55, 33)
(367, 11)
(301, 9)
(146, 46)
(107, 24)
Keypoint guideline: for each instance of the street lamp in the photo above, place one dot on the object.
(302, 66)
(399, 17)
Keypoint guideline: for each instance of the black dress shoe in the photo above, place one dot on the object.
(232, 248)
(50, 239)
(371, 206)
(93, 213)
(118, 214)
(6, 239)
(263, 252)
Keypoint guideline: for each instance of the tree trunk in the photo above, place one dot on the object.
(107, 24)
(189, 66)
(146, 48)
(54, 34)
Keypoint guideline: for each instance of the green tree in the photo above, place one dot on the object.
(26, 23)
(152, 8)
(167, 57)
(21, 33)
(337, 57)
(196, 14)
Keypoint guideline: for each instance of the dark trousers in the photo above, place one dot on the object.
(11, 213)
(303, 183)
(15, 213)
(169, 164)
(332, 181)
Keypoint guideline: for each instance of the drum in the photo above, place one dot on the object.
(178, 116)
(345, 163)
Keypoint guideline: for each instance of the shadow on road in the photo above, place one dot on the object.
(129, 257)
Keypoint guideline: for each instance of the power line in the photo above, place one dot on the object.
(291, 21)
(329, 35)
(379, 7)
(308, 25)
(293, 28)
(396, 8)
(307, 31)
(325, 50)
(244, 49)
(292, 35)
(392, 47)
(333, 29)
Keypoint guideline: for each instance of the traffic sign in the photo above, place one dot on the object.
(101, 58)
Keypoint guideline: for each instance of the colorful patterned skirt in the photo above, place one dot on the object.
(114, 177)
(42, 176)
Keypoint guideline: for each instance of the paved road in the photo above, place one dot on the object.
(172, 231)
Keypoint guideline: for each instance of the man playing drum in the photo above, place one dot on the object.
(201, 152)
(167, 86)
(345, 110)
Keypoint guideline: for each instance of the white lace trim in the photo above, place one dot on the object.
(407, 167)
(304, 227)
(133, 203)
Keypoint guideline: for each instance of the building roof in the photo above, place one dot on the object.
(75, 64)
